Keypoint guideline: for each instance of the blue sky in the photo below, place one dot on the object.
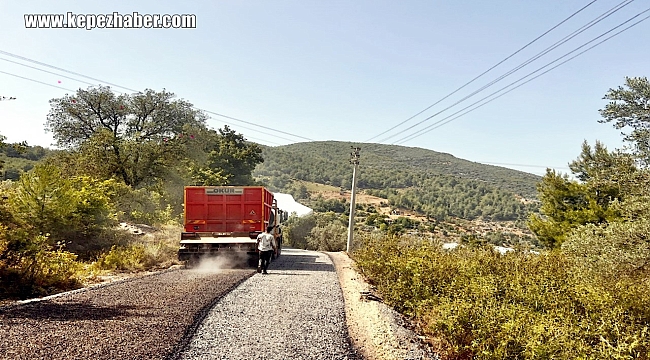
(344, 70)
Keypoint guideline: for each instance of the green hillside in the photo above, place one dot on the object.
(384, 166)
(423, 180)
(16, 159)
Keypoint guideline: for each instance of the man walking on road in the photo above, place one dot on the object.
(266, 246)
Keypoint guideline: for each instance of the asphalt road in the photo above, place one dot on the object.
(141, 318)
(295, 312)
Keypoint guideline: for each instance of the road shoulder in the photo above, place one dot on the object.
(376, 331)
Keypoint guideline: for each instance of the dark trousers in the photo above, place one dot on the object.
(265, 259)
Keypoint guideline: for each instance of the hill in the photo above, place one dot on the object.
(426, 181)
(17, 158)
(384, 166)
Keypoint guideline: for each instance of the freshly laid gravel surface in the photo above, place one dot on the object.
(150, 317)
(294, 312)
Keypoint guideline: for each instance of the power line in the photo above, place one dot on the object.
(59, 87)
(262, 141)
(126, 88)
(523, 165)
(522, 65)
(247, 128)
(45, 71)
(64, 70)
(486, 71)
(440, 123)
(262, 126)
(36, 81)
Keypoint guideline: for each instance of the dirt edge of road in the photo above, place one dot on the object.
(376, 331)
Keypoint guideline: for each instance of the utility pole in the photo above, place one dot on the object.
(354, 160)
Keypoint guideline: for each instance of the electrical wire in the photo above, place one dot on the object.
(60, 87)
(258, 125)
(45, 71)
(522, 165)
(520, 66)
(486, 71)
(247, 128)
(36, 81)
(442, 122)
(64, 70)
(260, 141)
(126, 88)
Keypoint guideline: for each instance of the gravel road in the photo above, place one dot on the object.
(295, 312)
(150, 317)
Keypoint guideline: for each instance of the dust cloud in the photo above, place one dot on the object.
(223, 262)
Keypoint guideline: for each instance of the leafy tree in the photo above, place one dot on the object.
(230, 160)
(313, 231)
(630, 108)
(29, 263)
(618, 247)
(330, 237)
(334, 205)
(10, 168)
(133, 137)
(70, 211)
(299, 191)
(298, 228)
(567, 204)
(2, 146)
(400, 225)
(605, 178)
(376, 219)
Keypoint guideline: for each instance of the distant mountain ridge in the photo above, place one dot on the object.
(384, 167)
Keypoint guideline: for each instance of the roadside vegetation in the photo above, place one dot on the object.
(474, 303)
(585, 296)
(122, 159)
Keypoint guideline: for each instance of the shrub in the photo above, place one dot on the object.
(30, 266)
(331, 237)
(616, 248)
(145, 206)
(70, 211)
(156, 250)
(477, 304)
(297, 229)
(132, 257)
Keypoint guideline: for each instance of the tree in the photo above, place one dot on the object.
(230, 160)
(606, 178)
(297, 229)
(71, 211)
(330, 237)
(567, 204)
(617, 247)
(29, 264)
(629, 107)
(133, 137)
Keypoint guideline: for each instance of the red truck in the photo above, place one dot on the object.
(226, 220)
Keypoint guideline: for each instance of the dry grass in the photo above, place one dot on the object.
(155, 250)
